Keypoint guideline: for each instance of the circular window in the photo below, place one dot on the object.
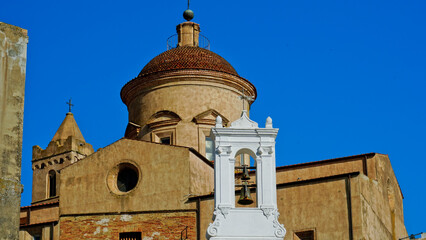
(123, 178)
(127, 179)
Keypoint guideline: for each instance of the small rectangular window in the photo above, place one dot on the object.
(164, 137)
(131, 236)
(209, 148)
(165, 140)
(305, 235)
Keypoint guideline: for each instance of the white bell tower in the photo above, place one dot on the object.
(230, 222)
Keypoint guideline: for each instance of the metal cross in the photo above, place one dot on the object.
(245, 97)
(188, 3)
(70, 105)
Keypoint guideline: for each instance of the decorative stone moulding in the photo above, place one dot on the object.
(150, 82)
(245, 137)
(163, 119)
(123, 178)
(208, 118)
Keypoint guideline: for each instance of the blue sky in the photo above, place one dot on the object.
(337, 77)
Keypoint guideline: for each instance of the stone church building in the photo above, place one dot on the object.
(157, 182)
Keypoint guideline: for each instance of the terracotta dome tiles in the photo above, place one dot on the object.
(188, 58)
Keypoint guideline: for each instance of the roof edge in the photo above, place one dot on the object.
(331, 160)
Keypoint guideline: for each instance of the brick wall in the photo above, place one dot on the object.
(164, 225)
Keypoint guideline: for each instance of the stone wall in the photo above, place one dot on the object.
(13, 56)
(155, 225)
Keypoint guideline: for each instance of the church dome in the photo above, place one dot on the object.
(188, 57)
(186, 81)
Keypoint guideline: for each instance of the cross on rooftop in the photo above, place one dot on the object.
(247, 98)
(70, 105)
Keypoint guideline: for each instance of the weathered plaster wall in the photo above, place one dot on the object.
(13, 56)
(24, 235)
(381, 202)
(164, 183)
(321, 207)
(201, 176)
(48, 231)
(319, 169)
(40, 176)
(62, 146)
(166, 225)
(377, 208)
(314, 196)
(206, 215)
(44, 214)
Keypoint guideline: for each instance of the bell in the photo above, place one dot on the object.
(246, 175)
(245, 197)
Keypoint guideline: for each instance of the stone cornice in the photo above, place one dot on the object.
(187, 76)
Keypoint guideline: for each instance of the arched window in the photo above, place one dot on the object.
(163, 127)
(51, 181)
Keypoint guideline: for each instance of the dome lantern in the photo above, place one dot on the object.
(188, 34)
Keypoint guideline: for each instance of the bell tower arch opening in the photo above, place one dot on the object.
(245, 171)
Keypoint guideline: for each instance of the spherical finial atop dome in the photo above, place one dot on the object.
(188, 14)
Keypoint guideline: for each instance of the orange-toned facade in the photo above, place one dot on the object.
(167, 191)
